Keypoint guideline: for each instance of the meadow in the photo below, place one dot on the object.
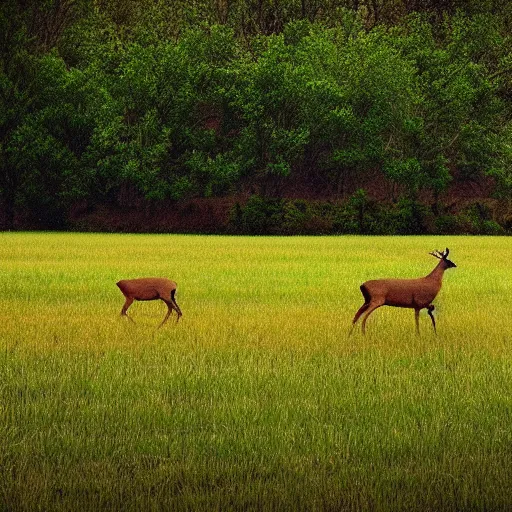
(257, 399)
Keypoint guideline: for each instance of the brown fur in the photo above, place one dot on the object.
(415, 294)
(150, 288)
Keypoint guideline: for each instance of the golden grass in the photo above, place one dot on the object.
(257, 398)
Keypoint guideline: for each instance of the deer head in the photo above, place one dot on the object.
(443, 256)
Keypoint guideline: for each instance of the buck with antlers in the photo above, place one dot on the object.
(415, 294)
(150, 288)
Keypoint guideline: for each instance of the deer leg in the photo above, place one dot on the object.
(177, 309)
(127, 304)
(361, 310)
(417, 319)
(371, 308)
(430, 309)
(169, 311)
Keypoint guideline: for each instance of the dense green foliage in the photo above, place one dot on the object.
(359, 214)
(173, 100)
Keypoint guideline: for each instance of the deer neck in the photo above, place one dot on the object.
(437, 273)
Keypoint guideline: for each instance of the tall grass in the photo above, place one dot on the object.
(257, 399)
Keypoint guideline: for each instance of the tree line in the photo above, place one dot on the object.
(169, 100)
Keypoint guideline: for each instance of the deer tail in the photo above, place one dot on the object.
(366, 293)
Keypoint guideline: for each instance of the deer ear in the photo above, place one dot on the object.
(446, 252)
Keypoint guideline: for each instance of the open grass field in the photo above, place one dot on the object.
(257, 399)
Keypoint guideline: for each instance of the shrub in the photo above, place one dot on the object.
(359, 214)
(410, 217)
(479, 221)
(301, 217)
(259, 216)
(296, 215)
(447, 225)
(491, 227)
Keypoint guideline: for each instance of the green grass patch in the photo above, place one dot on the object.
(257, 398)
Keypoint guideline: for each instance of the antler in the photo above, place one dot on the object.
(437, 254)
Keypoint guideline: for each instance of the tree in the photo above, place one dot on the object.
(461, 118)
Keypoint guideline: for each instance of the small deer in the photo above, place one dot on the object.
(415, 294)
(150, 288)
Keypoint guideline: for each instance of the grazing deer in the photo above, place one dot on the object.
(150, 288)
(416, 294)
